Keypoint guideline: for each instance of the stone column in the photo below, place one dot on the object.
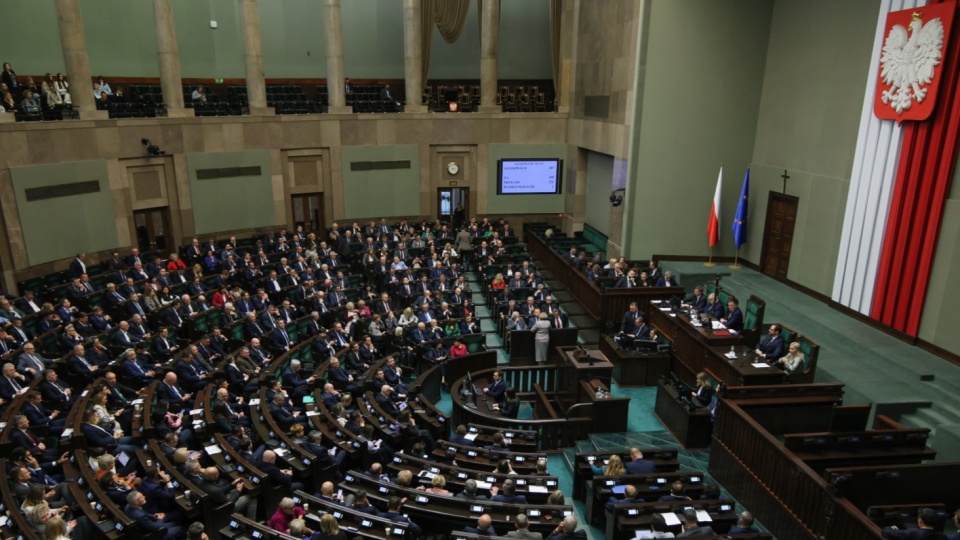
(168, 56)
(489, 35)
(333, 34)
(75, 58)
(413, 55)
(253, 57)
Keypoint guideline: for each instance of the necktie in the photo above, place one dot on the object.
(13, 383)
(37, 362)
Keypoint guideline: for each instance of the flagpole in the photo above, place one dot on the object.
(736, 258)
(710, 259)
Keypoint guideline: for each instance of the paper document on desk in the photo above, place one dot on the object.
(484, 485)
(194, 412)
(471, 436)
(313, 413)
(717, 325)
(537, 489)
(671, 519)
(731, 355)
(759, 365)
(703, 516)
(656, 301)
(254, 402)
(212, 449)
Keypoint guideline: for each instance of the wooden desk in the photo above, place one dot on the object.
(631, 368)
(570, 370)
(697, 348)
(692, 429)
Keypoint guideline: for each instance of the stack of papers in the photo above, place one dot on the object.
(759, 365)
(717, 325)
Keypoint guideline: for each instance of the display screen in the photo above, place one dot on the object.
(529, 176)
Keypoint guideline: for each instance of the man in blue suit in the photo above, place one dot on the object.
(292, 380)
(734, 318)
(496, 389)
(714, 308)
(393, 514)
(150, 522)
(98, 436)
(638, 465)
(771, 346)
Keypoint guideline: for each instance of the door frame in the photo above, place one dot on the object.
(321, 231)
(164, 219)
(466, 200)
(771, 197)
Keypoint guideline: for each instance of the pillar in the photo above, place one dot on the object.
(168, 56)
(413, 55)
(333, 34)
(74, 44)
(489, 35)
(253, 57)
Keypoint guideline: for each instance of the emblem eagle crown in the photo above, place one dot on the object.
(908, 61)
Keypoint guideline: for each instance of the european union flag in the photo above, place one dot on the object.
(740, 219)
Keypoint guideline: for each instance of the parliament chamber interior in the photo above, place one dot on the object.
(444, 269)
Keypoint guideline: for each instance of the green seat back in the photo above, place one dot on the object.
(808, 349)
(723, 298)
(474, 342)
(711, 287)
(751, 317)
(788, 335)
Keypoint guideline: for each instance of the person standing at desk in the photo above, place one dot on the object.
(497, 388)
(734, 318)
(542, 338)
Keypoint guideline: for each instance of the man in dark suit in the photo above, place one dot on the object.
(12, 383)
(169, 391)
(691, 526)
(252, 328)
(495, 390)
(628, 281)
(638, 465)
(697, 300)
(55, 394)
(150, 523)
(77, 266)
(38, 415)
(629, 496)
(295, 383)
(567, 530)
(281, 477)
(714, 308)
(96, 435)
(523, 529)
(484, 526)
(640, 329)
(393, 514)
(279, 338)
(79, 365)
(387, 401)
(926, 521)
(222, 492)
(771, 347)
(190, 375)
(163, 345)
(460, 436)
(676, 493)
(508, 494)
(734, 318)
(667, 280)
(744, 524)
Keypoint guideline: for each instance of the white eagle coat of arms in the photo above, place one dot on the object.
(908, 61)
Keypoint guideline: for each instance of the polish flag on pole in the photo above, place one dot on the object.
(713, 224)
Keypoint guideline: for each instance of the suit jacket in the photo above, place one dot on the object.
(528, 535)
(663, 283)
(735, 320)
(97, 436)
(495, 390)
(145, 520)
(624, 282)
(715, 310)
(772, 347)
(640, 466)
(696, 531)
(911, 534)
(696, 303)
(575, 535)
(8, 390)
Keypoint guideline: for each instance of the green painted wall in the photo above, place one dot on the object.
(122, 42)
(224, 204)
(940, 315)
(524, 45)
(808, 131)
(599, 182)
(372, 38)
(699, 109)
(293, 39)
(523, 204)
(392, 192)
(82, 222)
